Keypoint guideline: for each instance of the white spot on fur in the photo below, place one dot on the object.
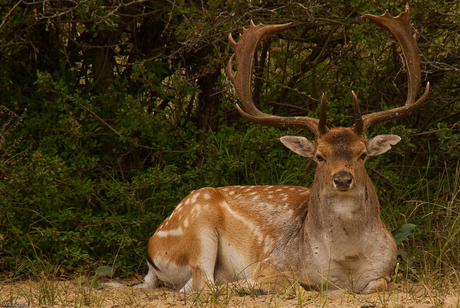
(195, 197)
(196, 209)
(186, 222)
(173, 232)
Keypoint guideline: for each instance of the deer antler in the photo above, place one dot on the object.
(244, 54)
(401, 29)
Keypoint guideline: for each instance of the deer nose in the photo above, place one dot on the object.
(342, 180)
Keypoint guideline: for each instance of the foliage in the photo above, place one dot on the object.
(403, 232)
(112, 112)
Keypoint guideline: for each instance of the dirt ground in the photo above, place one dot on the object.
(83, 293)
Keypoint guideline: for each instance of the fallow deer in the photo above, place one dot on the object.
(331, 233)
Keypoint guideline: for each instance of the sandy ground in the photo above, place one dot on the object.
(82, 293)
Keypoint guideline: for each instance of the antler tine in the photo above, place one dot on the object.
(244, 56)
(322, 127)
(359, 125)
(401, 29)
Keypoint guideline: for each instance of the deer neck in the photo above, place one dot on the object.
(343, 216)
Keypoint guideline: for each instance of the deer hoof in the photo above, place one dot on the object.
(377, 285)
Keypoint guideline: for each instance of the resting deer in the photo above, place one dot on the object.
(331, 233)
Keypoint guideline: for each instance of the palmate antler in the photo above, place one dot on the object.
(244, 54)
(399, 27)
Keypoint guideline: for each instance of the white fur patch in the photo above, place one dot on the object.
(232, 264)
(254, 228)
(268, 245)
(344, 207)
(196, 209)
(172, 274)
(150, 280)
(208, 256)
(174, 232)
(195, 197)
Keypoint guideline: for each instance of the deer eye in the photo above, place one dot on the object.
(319, 158)
(363, 156)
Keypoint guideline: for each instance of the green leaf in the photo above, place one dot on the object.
(80, 280)
(107, 271)
(403, 232)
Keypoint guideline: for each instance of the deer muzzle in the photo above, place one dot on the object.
(342, 180)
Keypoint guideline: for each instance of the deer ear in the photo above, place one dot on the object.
(300, 145)
(381, 144)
